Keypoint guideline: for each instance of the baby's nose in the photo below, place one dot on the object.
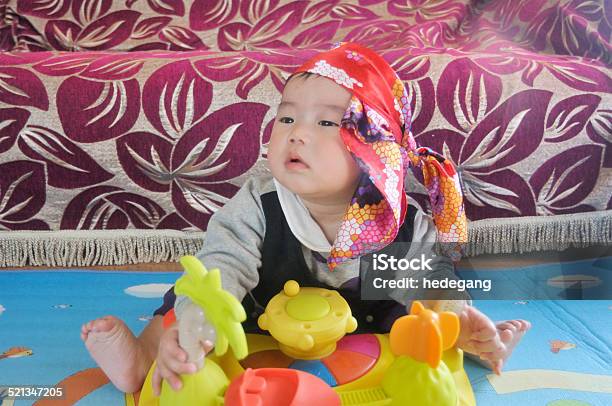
(300, 133)
(296, 138)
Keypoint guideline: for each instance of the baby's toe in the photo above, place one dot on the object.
(103, 324)
(507, 325)
(518, 326)
(525, 325)
(85, 331)
(506, 335)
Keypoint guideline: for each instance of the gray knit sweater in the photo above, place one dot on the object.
(235, 236)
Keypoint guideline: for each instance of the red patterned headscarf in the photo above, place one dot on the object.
(376, 130)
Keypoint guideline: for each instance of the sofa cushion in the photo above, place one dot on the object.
(516, 93)
(153, 140)
(579, 27)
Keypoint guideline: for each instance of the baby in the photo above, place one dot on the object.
(338, 153)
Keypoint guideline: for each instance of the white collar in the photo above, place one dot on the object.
(301, 223)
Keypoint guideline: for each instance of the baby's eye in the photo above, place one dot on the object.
(326, 123)
(285, 120)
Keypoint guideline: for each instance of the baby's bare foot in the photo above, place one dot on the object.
(117, 351)
(510, 332)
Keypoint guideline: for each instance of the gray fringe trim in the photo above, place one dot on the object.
(539, 233)
(70, 248)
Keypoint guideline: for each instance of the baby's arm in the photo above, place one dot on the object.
(233, 245)
(423, 242)
(233, 241)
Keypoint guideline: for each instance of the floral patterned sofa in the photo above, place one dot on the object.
(125, 124)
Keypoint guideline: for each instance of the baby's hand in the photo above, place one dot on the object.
(172, 361)
(479, 336)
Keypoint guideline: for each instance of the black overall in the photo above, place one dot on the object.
(283, 260)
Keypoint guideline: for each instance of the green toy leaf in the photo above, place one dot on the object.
(222, 309)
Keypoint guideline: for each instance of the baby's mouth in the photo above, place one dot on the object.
(294, 161)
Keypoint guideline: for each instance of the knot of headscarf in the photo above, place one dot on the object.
(376, 130)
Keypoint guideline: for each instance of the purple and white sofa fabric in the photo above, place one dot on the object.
(125, 124)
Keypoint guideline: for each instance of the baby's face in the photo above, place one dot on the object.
(306, 153)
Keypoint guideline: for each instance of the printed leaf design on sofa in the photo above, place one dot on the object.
(101, 34)
(94, 111)
(12, 121)
(175, 97)
(599, 129)
(568, 117)
(263, 33)
(20, 87)
(67, 165)
(252, 69)
(577, 27)
(22, 195)
(566, 179)
(195, 152)
(109, 207)
(116, 124)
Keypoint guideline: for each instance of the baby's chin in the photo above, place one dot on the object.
(313, 183)
(300, 185)
(297, 186)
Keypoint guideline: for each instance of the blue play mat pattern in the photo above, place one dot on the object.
(43, 311)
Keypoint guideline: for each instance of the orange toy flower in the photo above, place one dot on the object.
(424, 334)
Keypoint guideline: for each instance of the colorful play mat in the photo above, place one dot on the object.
(565, 360)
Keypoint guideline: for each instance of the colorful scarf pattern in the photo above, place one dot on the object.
(376, 130)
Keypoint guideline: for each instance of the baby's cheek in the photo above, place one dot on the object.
(345, 169)
(273, 151)
(330, 157)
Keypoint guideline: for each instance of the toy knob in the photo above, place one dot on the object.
(306, 342)
(262, 322)
(351, 325)
(291, 288)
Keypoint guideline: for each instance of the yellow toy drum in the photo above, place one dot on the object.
(307, 322)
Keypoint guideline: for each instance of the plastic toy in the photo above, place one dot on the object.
(307, 322)
(279, 386)
(419, 358)
(308, 359)
(224, 313)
